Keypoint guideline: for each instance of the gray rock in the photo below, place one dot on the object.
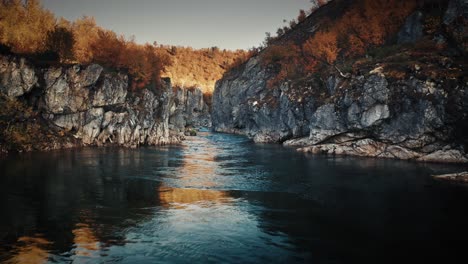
(451, 155)
(325, 123)
(96, 107)
(244, 104)
(112, 91)
(367, 115)
(188, 109)
(17, 77)
(412, 30)
(375, 114)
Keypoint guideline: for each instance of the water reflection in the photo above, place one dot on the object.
(85, 241)
(178, 197)
(220, 198)
(30, 250)
(198, 166)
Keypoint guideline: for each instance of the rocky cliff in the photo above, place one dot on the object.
(189, 110)
(85, 105)
(398, 106)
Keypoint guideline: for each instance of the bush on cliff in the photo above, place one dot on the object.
(365, 24)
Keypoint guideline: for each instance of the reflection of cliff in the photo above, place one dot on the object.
(80, 200)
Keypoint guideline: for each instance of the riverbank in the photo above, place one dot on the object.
(67, 106)
(455, 177)
(404, 98)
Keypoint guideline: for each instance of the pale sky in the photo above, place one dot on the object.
(228, 24)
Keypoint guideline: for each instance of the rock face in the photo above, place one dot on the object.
(106, 114)
(242, 104)
(96, 108)
(373, 112)
(189, 110)
(16, 76)
(454, 21)
(362, 116)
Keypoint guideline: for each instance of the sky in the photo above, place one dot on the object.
(227, 24)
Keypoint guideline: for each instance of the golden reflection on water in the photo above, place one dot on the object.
(177, 197)
(31, 250)
(199, 165)
(196, 171)
(85, 240)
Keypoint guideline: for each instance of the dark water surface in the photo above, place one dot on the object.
(221, 198)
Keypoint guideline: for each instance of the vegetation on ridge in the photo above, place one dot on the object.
(364, 25)
(27, 28)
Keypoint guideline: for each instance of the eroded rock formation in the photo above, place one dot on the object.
(413, 108)
(95, 107)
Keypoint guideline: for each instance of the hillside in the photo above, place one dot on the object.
(198, 67)
(29, 30)
(367, 78)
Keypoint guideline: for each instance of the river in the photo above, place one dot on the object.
(221, 198)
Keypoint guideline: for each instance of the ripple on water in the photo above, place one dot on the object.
(220, 198)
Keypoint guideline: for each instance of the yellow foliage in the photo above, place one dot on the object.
(323, 46)
(24, 25)
(199, 67)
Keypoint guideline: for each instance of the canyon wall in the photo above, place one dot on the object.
(87, 105)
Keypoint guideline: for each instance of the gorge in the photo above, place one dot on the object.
(341, 139)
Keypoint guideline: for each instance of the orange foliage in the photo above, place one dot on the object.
(241, 59)
(141, 61)
(200, 67)
(24, 25)
(85, 31)
(287, 57)
(107, 49)
(366, 24)
(323, 46)
(370, 22)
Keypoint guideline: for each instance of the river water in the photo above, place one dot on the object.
(220, 198)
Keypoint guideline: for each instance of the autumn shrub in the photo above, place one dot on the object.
(365, 25)
(86, 32)
(323, 46)
(24, 25)
(286, 59)
(241, 59)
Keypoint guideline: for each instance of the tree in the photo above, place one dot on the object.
(61, 41)
(323, 46)
(288, 60)
(24, 25)
(369, 23)
(108, 49)
(86, 32)
(302, 16)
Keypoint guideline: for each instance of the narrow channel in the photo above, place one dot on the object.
(222, 198)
